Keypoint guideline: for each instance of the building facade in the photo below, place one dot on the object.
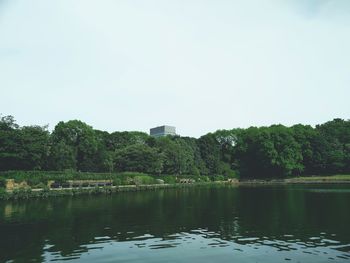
(163, 131)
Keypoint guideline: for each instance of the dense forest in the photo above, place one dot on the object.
(257, 152)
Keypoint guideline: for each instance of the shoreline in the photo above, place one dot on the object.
(310, 179)
(292, 181)
(28, 193)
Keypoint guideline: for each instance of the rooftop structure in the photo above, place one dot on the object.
(163, 131)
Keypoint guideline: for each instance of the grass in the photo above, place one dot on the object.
(27, 193)
(40, 178)
(337, 177)
(126, 181)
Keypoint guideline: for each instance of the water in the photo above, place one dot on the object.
(204, 224)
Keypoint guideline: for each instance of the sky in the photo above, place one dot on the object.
(199, 65)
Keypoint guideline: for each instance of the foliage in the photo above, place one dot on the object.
(218, 178)
(22, 193)
(144, 179)
(227, 171)
(210, 152)
(168, 179)
(3, 193)
(40, 185)
(332, 178)
(117, 181)
(268, 152)
(74, 147)
(138, 158)
(24, 148)
(77, 140)
(2, 182)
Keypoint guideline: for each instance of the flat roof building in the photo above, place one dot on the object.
(163, 131)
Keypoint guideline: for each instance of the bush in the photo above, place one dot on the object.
(40, 186)
(226, 171)
(127, 181)
(3, 193)
(21, 193)
(117, 181)
(204, 179)
(2, 182)
(231, 174)
(218, 178)
(37, 179)
(168, 179)
(34, 181)
(144, 179)
(195, 171)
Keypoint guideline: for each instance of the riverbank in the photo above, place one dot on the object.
(28, 193)
(331, 179)
(39, 184)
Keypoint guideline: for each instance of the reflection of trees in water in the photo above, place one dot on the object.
(243, 216)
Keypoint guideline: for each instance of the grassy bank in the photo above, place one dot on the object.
(329, 178)
(34, 184)
(300, 180)
(28, 193)
(36, 179)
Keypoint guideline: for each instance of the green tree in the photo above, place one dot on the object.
(34, 148)
(119, 140)
(104, 158)
(173, 156)
(268, 152)
(210, 151)
(138, 158)
(10, 158)
(22, 148)
(332, 146)
(78, 139)
(62, 157)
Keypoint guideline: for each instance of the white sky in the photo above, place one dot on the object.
(198, 65)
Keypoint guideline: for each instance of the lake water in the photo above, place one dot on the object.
(201, 224)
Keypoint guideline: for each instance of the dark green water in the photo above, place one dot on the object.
(245, 224)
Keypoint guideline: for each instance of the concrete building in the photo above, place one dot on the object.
(163, 131)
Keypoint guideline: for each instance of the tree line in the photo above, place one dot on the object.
(256, 152)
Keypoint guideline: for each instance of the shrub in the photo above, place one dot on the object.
(219, 178)
(40, 186)
(226, 171)
(195, 171)
(143, 179)
(37, 179)
(21, 193)
(204, 179)
(168, 179)
(95, 190)
(3, 193)
(127, 181)
(2, 182)
(117, 181)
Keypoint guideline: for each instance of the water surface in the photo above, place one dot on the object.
(204, 224)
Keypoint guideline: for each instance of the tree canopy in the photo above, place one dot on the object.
(256, 152)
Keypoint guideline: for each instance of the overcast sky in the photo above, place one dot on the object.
(198, 65)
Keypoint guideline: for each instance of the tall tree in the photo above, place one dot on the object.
(22, 148)
(9, 144)
(138, 158)
(78, 139)
(174, 156)
(210, 152)
(268, 152)
(34, 147)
